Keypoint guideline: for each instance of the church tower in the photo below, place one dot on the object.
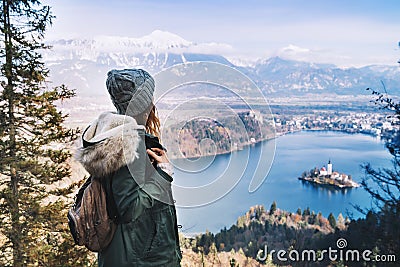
(329, 167)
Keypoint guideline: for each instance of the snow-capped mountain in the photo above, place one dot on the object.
(84, 63)
(156, 42)
(277, 75)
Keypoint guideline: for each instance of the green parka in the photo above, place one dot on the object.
(147, 234)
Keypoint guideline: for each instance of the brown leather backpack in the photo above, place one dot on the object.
(93, 218)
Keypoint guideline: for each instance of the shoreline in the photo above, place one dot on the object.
(229, 151)
(277, 135)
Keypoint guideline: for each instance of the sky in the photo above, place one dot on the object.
(342, 32)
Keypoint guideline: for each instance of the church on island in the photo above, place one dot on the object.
(326, 176)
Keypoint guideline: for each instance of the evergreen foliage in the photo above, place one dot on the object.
(258, 228)
(32, 214)
(332, 220)
(272, 209)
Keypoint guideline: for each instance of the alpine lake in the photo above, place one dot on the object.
(294, 153)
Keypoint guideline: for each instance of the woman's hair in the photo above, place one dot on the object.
(153, 122)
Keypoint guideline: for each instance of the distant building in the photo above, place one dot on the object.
(329, 177)
(329, 167)
(323, 171)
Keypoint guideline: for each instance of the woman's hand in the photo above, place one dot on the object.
(158, 155)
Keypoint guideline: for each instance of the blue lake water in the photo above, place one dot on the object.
(294, 154)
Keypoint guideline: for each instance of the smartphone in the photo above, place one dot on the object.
(153, 142)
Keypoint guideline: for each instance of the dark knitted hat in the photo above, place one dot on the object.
(130, 89)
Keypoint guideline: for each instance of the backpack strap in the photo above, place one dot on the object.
(112, 208)
(79, 195)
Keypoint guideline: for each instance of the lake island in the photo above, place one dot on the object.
(325, 176)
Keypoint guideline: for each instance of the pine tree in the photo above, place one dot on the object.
(272, 208)
(332, 220)
(32, 229)
(298, 211)
(307, 212)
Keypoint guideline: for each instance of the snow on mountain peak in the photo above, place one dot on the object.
(164, 39)
(156, 42)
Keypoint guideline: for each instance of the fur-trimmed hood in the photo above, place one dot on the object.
(109, 143)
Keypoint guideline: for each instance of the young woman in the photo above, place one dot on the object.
(123, 147)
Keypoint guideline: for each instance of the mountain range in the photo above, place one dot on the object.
(83, 64)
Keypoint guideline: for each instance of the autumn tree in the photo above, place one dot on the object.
(33, 230)
(340, 222)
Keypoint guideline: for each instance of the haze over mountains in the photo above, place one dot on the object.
(83, 63)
